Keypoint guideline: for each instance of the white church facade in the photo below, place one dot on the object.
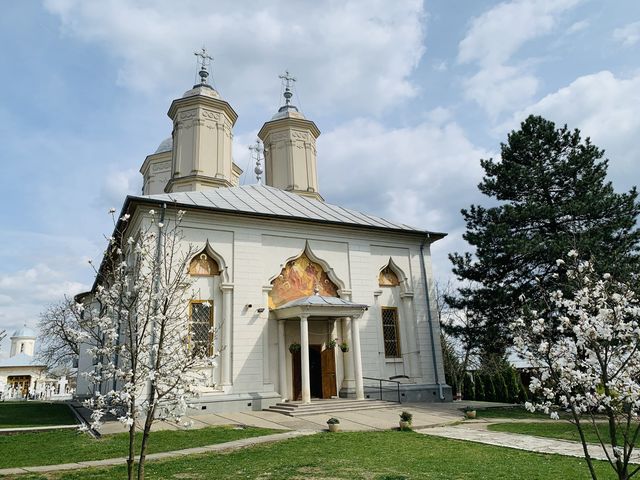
(308, 299)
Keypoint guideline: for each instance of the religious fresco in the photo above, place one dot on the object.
(203, 265)
(388, 278)
(300, 278)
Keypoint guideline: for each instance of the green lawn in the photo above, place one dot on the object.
(509, 412)
(560, 429)
(64, 446)
(34, 414)
(389, 455)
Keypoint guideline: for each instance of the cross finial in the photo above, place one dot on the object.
(288, 83)
(205, 60)
(257, 149)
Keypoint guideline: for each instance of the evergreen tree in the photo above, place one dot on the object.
(549, 194)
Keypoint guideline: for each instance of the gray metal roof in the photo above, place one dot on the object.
(20, 360)
(270, 201)
(320, 301)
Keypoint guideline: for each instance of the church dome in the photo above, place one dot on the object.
(202, 89)
(165, 146)
(287, 111)
(24, 332)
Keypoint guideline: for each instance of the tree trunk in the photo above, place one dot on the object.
(585, 449)
(132, 445)
(145, 436)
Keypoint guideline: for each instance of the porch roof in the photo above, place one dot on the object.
(319, 306)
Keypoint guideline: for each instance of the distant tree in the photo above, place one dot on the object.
(548, 194)
(584, 345)
(59, 325)
(137, 324)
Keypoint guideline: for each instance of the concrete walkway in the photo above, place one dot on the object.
(441, 420)
(478, 432)
(110, 462)
(424, 415)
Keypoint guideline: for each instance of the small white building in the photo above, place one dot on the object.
(20, 374)
(286, 276)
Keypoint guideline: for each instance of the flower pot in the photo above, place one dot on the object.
(470, 414)
(333, 427)
(405, 425)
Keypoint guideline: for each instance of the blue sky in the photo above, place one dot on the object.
(408, 96)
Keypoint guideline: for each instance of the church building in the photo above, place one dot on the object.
(309, 300)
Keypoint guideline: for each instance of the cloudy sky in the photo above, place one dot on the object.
(408, 96)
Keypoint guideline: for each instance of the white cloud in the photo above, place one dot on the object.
(578, 26)
(416, 175)
(357, 53)
(24, 293)
(628, 35)
(604, 107)
(493, 39)
(500, 88)
(116, 185)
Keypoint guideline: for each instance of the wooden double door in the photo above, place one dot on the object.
(322, 373)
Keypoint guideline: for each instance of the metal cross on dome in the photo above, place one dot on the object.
(257, 149)
(205, 60)
(288, 83)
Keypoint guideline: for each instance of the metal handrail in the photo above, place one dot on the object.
(381, 388)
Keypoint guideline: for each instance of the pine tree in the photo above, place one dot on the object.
(549, 194)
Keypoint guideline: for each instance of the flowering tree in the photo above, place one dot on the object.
(585, 348)
(137, 323)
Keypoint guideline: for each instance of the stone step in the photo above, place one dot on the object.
(295, 409)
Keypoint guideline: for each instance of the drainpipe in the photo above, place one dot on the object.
(430, 318)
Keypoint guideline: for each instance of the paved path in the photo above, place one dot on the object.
(478, 433)
(36, 429)
(219, 447)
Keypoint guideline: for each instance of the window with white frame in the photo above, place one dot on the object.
(391, 332)
(201, 328)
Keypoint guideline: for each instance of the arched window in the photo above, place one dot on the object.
(203, 265)
(389, 279)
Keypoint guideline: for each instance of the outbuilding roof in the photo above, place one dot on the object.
(20, 360)
(269, 201)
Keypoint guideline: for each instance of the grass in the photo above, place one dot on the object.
(560, 429)
(35, 414)
(65, 446)
(508, 412)
(389, 455)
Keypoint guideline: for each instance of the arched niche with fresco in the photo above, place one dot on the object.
(300, 277)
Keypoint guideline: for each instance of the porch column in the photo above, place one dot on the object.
(282, 362)
(347, 356)
(266, 345)
(357, 358)
(304, 354)
(227, 290)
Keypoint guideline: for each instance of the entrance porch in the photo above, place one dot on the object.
(313, 365)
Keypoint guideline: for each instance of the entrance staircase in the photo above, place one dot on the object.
(299, 409)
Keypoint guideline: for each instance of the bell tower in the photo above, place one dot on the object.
(290, 148)
(202, 137)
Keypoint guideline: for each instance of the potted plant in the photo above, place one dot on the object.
(331, 344)
(469, 412)
(294, 347)
(405, 420)
(333, 424)
(344, 346)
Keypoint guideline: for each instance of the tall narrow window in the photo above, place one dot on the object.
(390, 332)
(201, 332)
